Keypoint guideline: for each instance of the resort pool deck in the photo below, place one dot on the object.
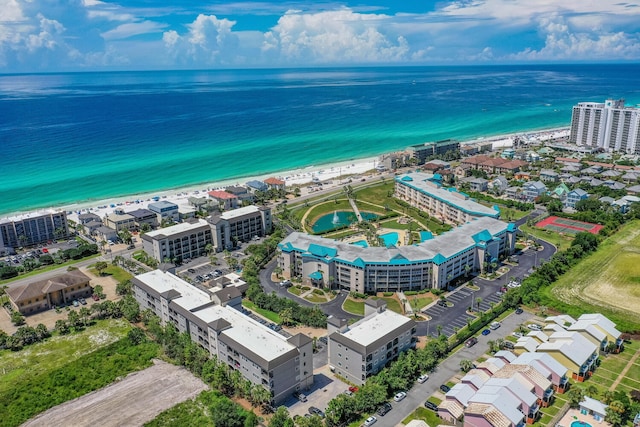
(573, 418)
(390, 239)
(580, 424)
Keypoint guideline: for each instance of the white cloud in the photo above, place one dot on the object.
(124, 31)
(208, 41)
(563, 43)
(340, 36)
(49, 36)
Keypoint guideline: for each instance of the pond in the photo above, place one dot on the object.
(338, 219)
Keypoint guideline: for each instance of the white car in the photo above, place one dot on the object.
(399, 396)
(423, 378)
(370, 421)
(534, 327)
(518, 334)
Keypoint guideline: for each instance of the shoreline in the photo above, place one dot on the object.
(300, 176)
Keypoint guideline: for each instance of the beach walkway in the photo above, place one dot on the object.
(355, 208)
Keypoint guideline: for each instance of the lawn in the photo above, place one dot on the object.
(392, 304)
(606, 281)
(420, 301)
(425, 415)
(560, 242)
(114, 271)
(65, 367)
(296, 290)
(325, 208)
(315, 298)
(264, 313)
(353, 306)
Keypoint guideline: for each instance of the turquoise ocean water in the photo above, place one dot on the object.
(67, 138)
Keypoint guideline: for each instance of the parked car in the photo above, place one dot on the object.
(95, 297)
(75, 303)
(494, 325)
(316, 411)
(471, 342)
(382, 410)
(83, 301)
(508, 345)
(370, 421)
(399, 396)
(534, 327)
(348, 393)
(518, 334)
(353, 389)
(431, 405)
(285, 283)
(519, 310)
(423, 378)
(192, 271)
(445, 388)
(486, 332)
(301, 397)
(443, 303)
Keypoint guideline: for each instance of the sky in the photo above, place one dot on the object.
(87, 35)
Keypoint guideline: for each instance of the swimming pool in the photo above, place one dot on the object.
(390, 239)
(580, 424)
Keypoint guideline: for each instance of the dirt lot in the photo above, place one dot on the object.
(138, 398)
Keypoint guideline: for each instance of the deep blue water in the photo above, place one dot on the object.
(73, 137)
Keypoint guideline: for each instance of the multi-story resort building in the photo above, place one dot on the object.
(421, 152)
(32, 228)
(430, 264)
(419, 190)
(282, 365)
(609, 126)
(119, 220)
(239, 225)
(362, 349)
(184, 240)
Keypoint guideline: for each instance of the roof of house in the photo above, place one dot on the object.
(258, 185)
(594, 405)
(461, 392)
(501, 399)
(40, 288)
(476, 377)
(507, 355)
(452, 406)
(549, 362)
(222, 195)
(527, 372)
(573, 345)
(493, 416)
(274, 181)
(601, 322)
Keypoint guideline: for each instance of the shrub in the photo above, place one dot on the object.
(410, 293)
(388, 294)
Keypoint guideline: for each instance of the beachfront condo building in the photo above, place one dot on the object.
(32, 228)
(431, 264)
(182, 241)
(446, 204)
(239, 225)
(165, 211)
(281, 365)
(609, 126)
(362, 349)
(420, 153)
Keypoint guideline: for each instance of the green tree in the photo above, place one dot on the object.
(136, 336)
(62, 327)
(225, 413)
(466, 365)
(84, 314)
(124, 288)
(17, 318)
(575, 395)
(281, 418)
(101, 266)
(130, 308)
(98, 290)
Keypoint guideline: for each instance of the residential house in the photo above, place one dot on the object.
(633, 190)
(513, 192)
(475, 161)
(242, 193)
(59, 290)
(119, 220)
(611, 174)
(478, 184)
(144, 216)
(498, 185)
(275, 183)
(574, 196)
(630, 177)
(592, 170)
(104, 233)
(614, 185)
(255, 185)
(571, 168)
(571, 180)
(575, 352)
(86, 218)
(508, 153)
(462, 170)
(594, 408)
(560, 192)
(547, 176)
(513, 167)
(532, 157)
(490, 166)
(362, 349)
(522, 176)
(166, 212)
(226, 200)
(533, 189)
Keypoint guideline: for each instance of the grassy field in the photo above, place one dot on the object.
(607, 280)
(65, 367)
(560, 242)
(116, 272)
(354, 306)
(425, 415)
(264, 313)
(392, 304)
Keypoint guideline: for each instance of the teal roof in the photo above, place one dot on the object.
(316, 275)
(437, 177)
(511, 227)
(483, 236)
(322, 251)
(439, 259)
(399, 259)
(406, 178)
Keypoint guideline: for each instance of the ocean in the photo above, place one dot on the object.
(75, 137)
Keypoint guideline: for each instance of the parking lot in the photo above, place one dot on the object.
(461, 299)
(325, 387)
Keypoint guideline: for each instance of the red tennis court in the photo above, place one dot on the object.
(568, 226)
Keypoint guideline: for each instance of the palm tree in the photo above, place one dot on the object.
(466, 365)
(478, 302)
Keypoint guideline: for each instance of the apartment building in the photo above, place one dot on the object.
(262, 356)
(446, 204)
(421, 152)
(239, 225)
(118, 220)
(433, 263)
(144, 216)
(165, 211)
(32, 228)
(184, 240)
(610, 126)
(362, 349)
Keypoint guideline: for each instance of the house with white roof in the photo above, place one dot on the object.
(452, 407)
(548, 367)
(495, 407)
(593, 407)
(282, 365)
(604, 325)
(573, 351)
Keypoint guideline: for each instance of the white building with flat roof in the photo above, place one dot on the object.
(606, 125)
(239, 225)
(182, 241)
(362, 349)
(282, 365)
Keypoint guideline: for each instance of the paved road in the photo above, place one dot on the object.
(446, 370)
